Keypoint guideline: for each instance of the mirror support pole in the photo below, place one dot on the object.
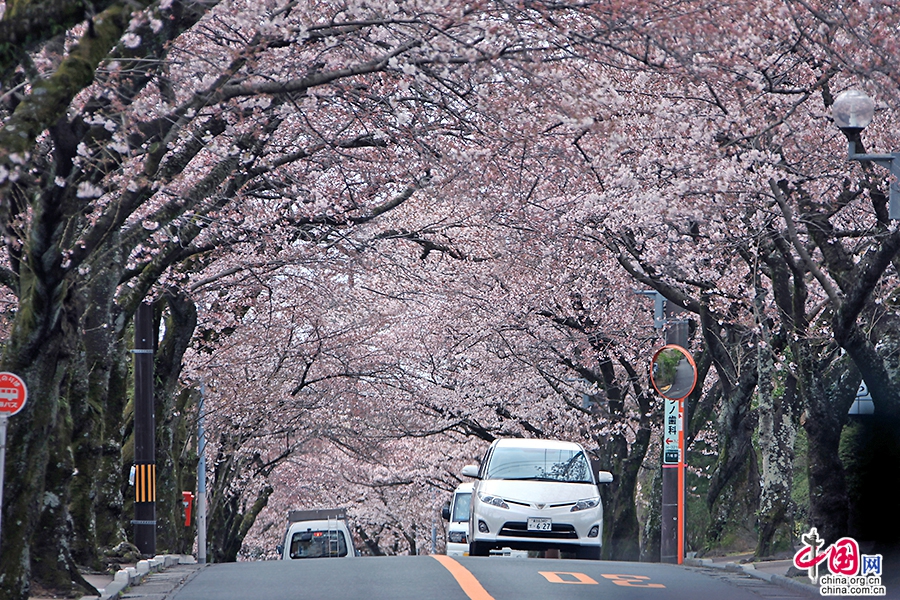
(672, 509)
(673, 471)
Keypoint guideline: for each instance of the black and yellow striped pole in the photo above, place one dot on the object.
(145, 483)
(144, 434)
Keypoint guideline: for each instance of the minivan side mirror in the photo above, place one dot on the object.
(445, 512)
(604, 477)
(470, 471)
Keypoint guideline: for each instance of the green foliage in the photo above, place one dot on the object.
(697, 518)
(666, 366)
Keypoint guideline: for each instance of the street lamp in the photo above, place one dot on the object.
(852, 112)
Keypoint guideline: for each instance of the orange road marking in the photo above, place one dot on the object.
(556, 577)
(633, 581)
(464, 578)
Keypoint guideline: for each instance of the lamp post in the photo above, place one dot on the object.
(852, 111)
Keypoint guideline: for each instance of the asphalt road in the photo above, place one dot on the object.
(472, 578)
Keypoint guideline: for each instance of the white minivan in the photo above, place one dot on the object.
(317, 534)
(456, 513)
(534, 494)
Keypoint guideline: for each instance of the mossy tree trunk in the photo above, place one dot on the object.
(27, 456)
(230, 518)
(828, 394)
(625, 458)
(112, 473)
(779, 401)
(777, 433)
(52, 560)
(864, 330)
(101, 355)
(733, 494)
(44, 346)
(651, 533)
(39, 350)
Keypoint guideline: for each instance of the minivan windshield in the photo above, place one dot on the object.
(539, 464)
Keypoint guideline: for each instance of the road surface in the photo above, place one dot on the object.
(473, 578)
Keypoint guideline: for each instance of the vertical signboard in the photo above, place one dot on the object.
(672, 428)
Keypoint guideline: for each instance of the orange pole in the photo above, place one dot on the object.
(681, 483)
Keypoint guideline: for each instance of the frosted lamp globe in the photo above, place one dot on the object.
(852, 109)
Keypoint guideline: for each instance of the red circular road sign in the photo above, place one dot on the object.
(13, 393)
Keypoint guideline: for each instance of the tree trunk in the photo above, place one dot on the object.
(733, 494)
(621, 532)
(27, 457)
(777, 433)
(52, 564)
(90, 385)
(229, 518)
(732, 498)
(828, 394)
(111, 483)
(651, 538)
(232, 523)
(870, 453)
(624, 458)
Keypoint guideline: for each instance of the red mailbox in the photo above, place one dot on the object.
(187, 499)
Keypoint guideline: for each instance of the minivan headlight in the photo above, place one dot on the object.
(493, 500)
(586, 504)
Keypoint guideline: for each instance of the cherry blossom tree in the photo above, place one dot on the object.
(130, 161)
(688, 152)
(374, 229)
(761, 109)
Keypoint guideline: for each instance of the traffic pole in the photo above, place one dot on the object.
(4, 420)
(13, 396)
(201, 479)
(672, 513)
(144, 433)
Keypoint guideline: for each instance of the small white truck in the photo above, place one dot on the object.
(321, 533)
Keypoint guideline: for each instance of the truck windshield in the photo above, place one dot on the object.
(318, 544)
(461, 507)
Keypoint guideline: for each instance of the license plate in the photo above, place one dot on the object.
(539, 524)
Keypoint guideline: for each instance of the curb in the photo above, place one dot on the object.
(751, 570)
(125, 578)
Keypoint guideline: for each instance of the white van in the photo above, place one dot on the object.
(319, 533)
(533, 494)
(456, 513)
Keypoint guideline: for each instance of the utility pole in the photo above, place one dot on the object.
(144, 433)
(672, 513)
(201, 479)
(673, 460)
